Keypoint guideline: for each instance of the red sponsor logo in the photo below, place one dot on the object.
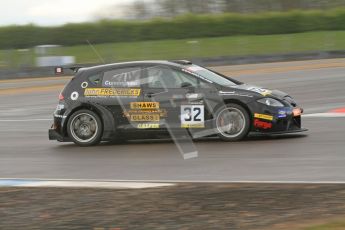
(262, 124)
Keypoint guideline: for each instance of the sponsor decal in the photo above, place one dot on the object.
(192, 116)
(282, 113)
(145, 117)
(194, 68)
(84, 84)
(160, 112)
(144, 105)
(123, 77)
(192, 95)
(262, 124)
(233, 93)
(192, 126)
(123, 84)
(74, 96)
(60, 107)
(263, 92)
(263, 116)
(227, 92)
(196, 74)
(148, 126)
(112, 92)
(144, 111)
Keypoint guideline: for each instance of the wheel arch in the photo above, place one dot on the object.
(238, 102)
(246, 109)
(105, 116)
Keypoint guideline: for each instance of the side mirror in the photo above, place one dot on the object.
(189, 86)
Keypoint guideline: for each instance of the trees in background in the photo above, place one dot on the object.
(145, 9)
(178, 19)
(186, 26)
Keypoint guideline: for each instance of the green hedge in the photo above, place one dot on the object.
(187, 26)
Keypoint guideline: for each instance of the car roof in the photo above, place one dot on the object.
(177, 63)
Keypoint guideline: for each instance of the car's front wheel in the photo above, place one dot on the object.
(84, 127)
(232, 122)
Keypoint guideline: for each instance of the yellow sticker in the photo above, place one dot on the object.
(263, 116)
(111, 92)
(201, 125)
(268, 92)
(144, 105)
(148, 126)
(144, 117)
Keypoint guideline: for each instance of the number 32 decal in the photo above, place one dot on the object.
(192, 116)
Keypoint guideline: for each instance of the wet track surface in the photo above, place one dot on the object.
(317, 155)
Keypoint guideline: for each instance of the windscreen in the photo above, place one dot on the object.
(211, 76)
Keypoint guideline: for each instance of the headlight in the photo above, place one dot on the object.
(270, 102)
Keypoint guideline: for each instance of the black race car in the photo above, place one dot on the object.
(134, 100)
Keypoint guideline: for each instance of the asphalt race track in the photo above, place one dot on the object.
(26, 107)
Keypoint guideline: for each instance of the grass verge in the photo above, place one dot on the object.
(189, 48)
(333, 225)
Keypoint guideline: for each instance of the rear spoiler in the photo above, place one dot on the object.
(60, 70)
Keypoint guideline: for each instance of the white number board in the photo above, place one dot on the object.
(192, 116)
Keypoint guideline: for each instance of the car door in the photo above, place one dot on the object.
(181, 99)
(117, 89)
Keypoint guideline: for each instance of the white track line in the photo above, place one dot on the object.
(95, 184)
(80, 184)
(26, 120)
(324, 115)
(172, 182)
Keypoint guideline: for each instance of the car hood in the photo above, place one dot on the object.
(259, 90)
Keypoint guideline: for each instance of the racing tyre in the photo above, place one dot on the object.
(84, 127)
(232, 122)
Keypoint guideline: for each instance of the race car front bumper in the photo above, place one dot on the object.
(53, 134)
(277, 120)
(292, 131)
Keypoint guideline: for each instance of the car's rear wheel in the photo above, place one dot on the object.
(84, 127)
(232, 122)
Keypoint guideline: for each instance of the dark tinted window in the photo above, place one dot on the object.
(210, 75)
(165, 77)
(95, 79)
(124, 77)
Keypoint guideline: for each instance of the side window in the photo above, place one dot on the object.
(124, 77)
(165, 77)
(95, 79)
